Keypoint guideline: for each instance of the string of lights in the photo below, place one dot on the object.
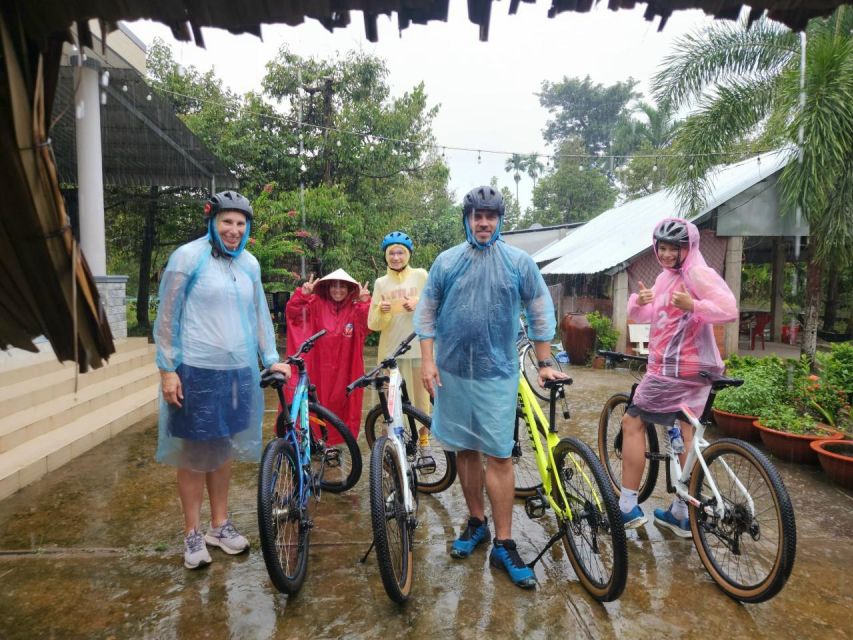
(373, 138)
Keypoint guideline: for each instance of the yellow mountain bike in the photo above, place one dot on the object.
(574, 485)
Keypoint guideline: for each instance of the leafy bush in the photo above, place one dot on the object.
(764, 386)
(605, 334)
(787, 418)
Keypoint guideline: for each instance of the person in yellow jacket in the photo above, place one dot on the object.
(395, 296)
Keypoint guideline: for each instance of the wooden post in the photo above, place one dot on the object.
(777, 287)
(619, 295)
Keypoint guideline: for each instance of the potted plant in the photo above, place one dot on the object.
(737, 408)
(836, 456)
(605, 336)
(788, 432)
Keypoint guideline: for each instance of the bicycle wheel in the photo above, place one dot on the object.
(342, 460)
(594, 537)
(530, 370)
(283, 529)
(445, 461)
(391, 533)
(749, 552)
(527, 478)
(610, 447)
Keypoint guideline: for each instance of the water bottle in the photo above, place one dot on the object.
(676, 442)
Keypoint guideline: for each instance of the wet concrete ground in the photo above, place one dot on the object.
(93, 550)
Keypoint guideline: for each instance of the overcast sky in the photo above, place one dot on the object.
(485, 90)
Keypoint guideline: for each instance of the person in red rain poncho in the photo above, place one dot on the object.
(338, 304)
(687, 297)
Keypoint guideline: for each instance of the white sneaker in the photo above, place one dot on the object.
(227, 538)
(195, 551)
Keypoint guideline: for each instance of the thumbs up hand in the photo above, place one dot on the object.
(384, 306)
(681, 299)
(644, 294)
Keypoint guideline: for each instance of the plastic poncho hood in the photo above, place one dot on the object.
(682, 343)
(471, 307)
(216, 241)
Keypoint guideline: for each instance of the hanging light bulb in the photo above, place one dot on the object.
(654, 169)
(124, 88)
(303, 168)
(691, 166)
(105, 79)
(338, 143)
(580, 167)
(148, 97)
(479, 158)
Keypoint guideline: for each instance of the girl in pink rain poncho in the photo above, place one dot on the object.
(687, 298)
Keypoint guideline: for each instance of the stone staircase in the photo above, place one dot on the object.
(44, 423)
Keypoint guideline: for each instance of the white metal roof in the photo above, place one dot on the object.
(620, 233)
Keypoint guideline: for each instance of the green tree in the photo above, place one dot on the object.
(747, 86)
(534, 167)
(516, 163)
(572, 192)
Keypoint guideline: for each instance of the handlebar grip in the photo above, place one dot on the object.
(270, 378)
(317, 335)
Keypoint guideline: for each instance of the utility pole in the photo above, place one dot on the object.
(301, 166)
(328, 91)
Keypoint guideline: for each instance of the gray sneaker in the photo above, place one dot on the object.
(227, 538)
(195, 551)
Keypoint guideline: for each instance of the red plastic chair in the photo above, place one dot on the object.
(760, 323)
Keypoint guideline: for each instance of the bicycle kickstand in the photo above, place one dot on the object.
(550, 544)
(369, 549)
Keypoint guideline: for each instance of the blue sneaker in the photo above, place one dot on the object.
(635, 518)
(505, 556)
(681, 528)
(476, 531)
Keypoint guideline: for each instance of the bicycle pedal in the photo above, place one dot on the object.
(425, 465)
(535, 507)
(332, 458)
(662, 457)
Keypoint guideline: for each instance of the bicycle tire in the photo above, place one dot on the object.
(445, 461)
(391, 534)
(610, 447)
(344, 466)
(530, 370)
(594, 538)
(758, 568)
(527, 479)
(284, 531)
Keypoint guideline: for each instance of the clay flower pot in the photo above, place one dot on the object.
(836, 458)
(794, 447)
(736, 425)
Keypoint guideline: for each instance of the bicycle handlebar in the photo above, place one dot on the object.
(306, 346)
(272, 378)
(365, 380)
(617, 356)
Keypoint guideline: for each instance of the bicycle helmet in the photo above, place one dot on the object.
(672, 232)
(227, 201)
(397, 237)
(483, 198)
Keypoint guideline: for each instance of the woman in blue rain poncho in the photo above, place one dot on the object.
(212, 325)
(467, 320)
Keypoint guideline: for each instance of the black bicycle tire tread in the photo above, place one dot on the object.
(784, 563)
(334, 422)
(605, 438)
(284, 583)
(619, 574)
(399, 593)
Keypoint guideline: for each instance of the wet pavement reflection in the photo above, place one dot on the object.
(93, 550)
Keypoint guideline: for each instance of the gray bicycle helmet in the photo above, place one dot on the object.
(483, 199)
(227, 201)
(672, 232)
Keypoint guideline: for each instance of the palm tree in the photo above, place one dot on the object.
(534, 167)
(516, 163)
(746, 83)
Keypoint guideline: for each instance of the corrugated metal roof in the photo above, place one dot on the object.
(620, 233)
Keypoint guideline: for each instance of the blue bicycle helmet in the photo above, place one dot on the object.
(398, 237)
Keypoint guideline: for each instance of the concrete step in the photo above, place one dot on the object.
(29, 423)
(32, 391)
(17, 365)
(31, 460)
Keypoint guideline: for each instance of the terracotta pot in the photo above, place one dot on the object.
(578, 337)
(836, 458)
(598, 362)
(736, 425)
(794, 447)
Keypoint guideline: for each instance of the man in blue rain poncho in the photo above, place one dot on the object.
(212, 325)
(467, 320)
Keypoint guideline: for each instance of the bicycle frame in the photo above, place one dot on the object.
(544, 455)
(693, 455)
(393, 414)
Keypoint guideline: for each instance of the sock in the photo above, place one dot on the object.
(628, 500)
(679, 508)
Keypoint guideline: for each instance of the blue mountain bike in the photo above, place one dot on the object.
(312, 450)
